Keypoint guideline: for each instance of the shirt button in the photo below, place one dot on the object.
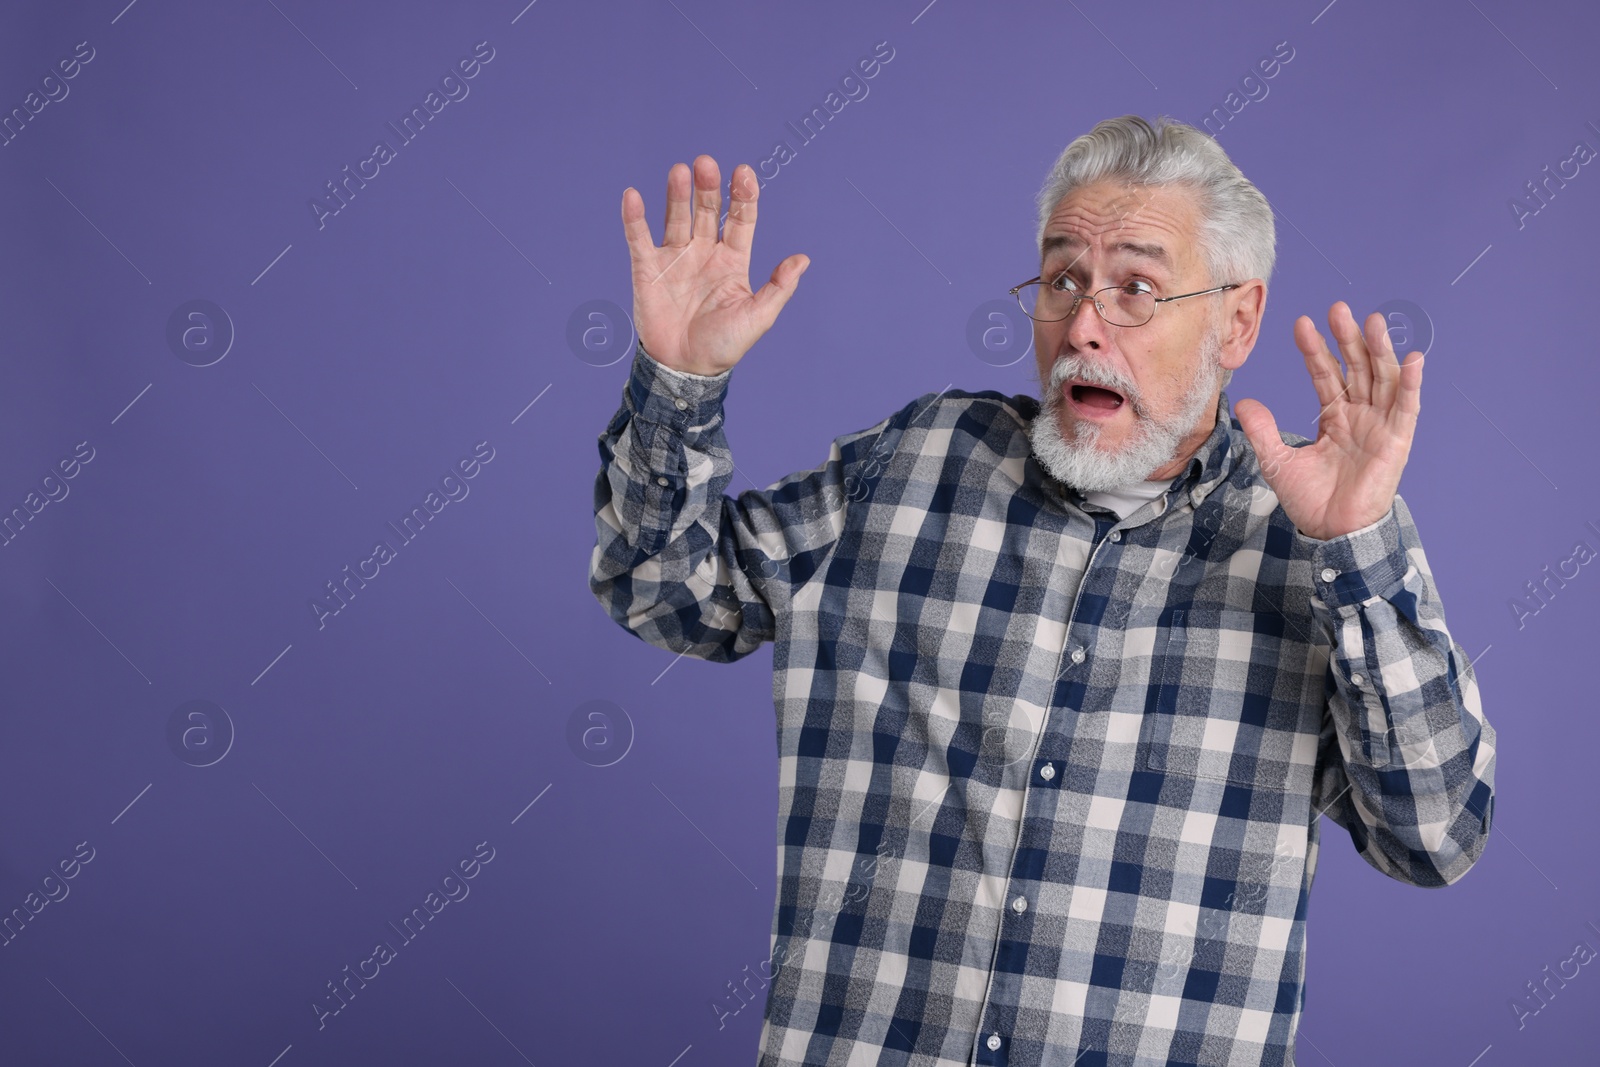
(662, 481)
(1116, 535)
(1047, 772)
(1358, 680)
(1329, 574)
(1019, 905)
(1077, 655)
(993, 1042)
(680, 403)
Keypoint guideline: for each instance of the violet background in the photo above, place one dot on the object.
(429, 713)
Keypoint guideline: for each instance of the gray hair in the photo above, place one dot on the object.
(1237, 238)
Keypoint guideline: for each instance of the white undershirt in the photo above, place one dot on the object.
(1126, 499)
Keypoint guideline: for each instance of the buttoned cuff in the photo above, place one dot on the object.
(1354, 567)
(660, 394)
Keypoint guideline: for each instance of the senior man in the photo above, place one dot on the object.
(1063, 685)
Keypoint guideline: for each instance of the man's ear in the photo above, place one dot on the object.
(1242, 309)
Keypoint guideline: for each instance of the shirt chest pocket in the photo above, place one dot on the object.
(1213, 713)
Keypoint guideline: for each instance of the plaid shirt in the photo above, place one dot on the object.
(1049, 780)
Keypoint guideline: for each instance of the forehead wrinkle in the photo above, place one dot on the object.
(1095, 219)
(1142, 249)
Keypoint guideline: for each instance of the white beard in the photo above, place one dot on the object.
(1154, 442)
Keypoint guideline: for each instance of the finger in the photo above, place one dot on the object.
(1385, 367)
(1408, 395)
(740, 229)
(1326, 376)
(635, 228)
(1261, 430)
(676, 232)
(770, 298)
(1358, 367)
(707, 197)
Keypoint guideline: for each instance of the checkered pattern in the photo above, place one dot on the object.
(1050, 782)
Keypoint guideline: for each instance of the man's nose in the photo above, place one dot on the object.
(1085, 328)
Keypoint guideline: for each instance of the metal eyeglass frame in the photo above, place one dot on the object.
(1100, 310)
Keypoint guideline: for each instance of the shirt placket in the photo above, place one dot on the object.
(997, 1018)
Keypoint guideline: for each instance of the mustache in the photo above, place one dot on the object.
(1094, 374)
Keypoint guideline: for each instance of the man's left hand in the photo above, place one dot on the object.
(1346, 479)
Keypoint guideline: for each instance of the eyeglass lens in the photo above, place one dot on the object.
(1124, 305)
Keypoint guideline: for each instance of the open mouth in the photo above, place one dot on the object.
(1093, 399)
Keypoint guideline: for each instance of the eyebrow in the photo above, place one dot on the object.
(1152, 252)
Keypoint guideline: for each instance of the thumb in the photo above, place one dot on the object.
(1261, 430)
(770, 298)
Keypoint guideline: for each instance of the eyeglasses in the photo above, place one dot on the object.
(1132, 304)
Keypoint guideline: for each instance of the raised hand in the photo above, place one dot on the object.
(692, 302)
(1346, 479)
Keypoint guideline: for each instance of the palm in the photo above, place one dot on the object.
(1348, 477)
(692, 302)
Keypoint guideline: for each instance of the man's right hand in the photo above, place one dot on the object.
(692, 303)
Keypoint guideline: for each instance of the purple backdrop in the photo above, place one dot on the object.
(217, 396)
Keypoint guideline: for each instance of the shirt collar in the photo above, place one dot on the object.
(1216, 457)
